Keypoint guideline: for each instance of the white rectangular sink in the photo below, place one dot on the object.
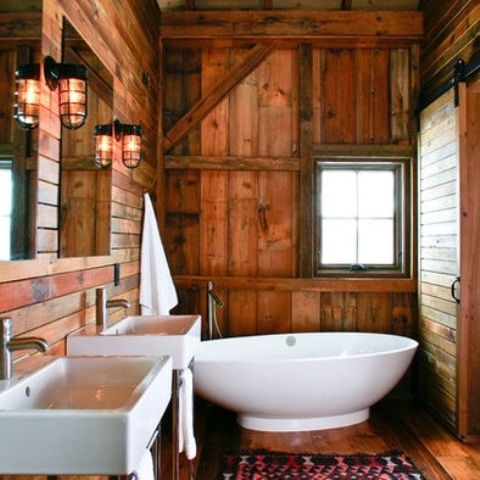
(175, 335)
(82, 415)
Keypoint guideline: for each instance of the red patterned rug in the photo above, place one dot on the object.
(290, 466)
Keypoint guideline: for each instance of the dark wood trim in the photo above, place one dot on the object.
(202, 108)
(382, 43)
(306, 201)
(291, 284)
(371, 151)
(159, 187)
(291, 24)
(287, 164)
(23, 26)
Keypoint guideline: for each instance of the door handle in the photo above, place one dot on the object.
(454, 289)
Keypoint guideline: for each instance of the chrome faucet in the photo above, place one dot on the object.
(9, 345)
(212, 300)
(102, 305)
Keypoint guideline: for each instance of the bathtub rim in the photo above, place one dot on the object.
(411, 344)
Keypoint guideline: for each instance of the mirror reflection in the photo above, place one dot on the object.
(85, 213)
(19, 45)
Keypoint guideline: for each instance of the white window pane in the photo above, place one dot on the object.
(339, 194)
(6, 187)
(339, 242)
(376, 194)
(5, 238)
(376, 241)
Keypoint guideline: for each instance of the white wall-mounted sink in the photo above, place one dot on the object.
(82, 415)
(175, 335)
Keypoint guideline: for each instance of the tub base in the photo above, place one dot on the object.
(278, 424)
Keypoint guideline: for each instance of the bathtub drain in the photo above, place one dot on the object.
(291, 341)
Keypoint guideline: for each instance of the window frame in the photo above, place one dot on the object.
(6, 163)
(402, 244)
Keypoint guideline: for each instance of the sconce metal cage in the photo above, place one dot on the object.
(27, 102)
(131, 145)
(71, 81)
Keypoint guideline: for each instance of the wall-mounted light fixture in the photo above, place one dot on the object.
(27, 102)
(103, 145)
(129, 135)
(131, 145)
(71, 81)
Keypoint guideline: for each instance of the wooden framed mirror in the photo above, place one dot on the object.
(85, 190)
(20, 44)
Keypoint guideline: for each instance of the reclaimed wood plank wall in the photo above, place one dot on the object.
(232, 185)
(451, 33)
(50, 296)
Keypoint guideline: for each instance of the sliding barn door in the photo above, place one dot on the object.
(449, 269)
(439, 257)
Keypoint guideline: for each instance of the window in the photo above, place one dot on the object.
(360, 217)
(5, 209)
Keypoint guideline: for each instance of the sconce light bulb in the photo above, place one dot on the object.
(132, 148)
(103, 146)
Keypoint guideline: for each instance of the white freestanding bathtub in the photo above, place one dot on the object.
(304, 381)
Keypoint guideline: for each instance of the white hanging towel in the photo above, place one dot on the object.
(157, 291)
(186, 438)
(144, 470)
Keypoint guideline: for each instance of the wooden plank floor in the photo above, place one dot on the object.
(393, 425)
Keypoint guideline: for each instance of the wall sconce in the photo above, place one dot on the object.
(131, 145)
(103, 145)
(71, 81)
(131, 138)
(27, 104)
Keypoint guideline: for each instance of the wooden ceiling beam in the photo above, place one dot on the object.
(276, 24)
(21, 26)
(206, 104)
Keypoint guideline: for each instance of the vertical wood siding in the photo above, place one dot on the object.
(227, 223)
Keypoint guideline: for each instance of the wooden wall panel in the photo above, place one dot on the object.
(451, 28)
(248, 225)
(372, 82)
(244, 116)
(244, 230)
(277, 218)
(339, 118)
(362, 96)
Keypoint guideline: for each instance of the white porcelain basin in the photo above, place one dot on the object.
(175, 335)
(85, 416)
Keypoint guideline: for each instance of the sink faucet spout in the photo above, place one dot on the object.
(28, 343)
(102, 305)
(9, 345)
